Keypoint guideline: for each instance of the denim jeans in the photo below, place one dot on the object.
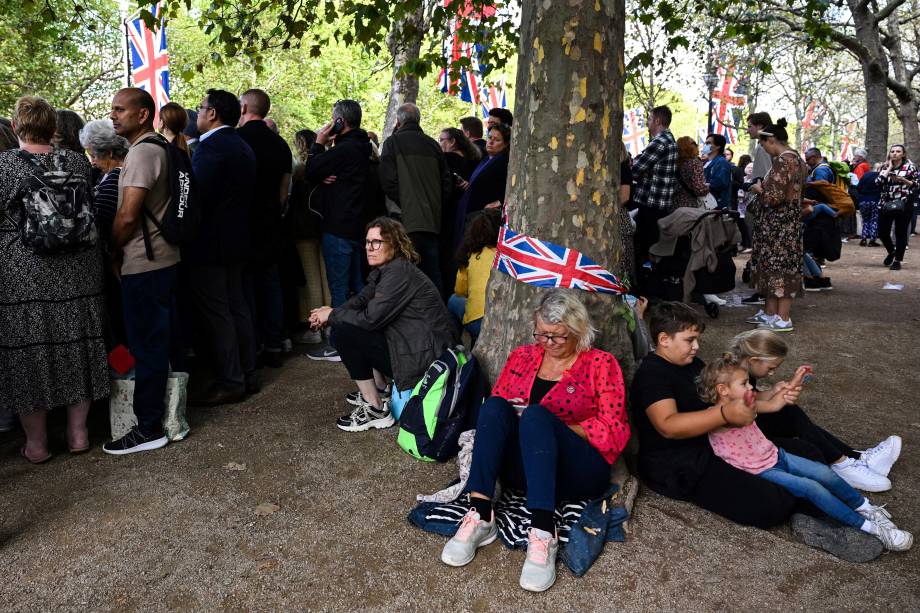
(343, 267)
(818, 484)
(811, 268)
(429, 250)
(149, 305)
(456, 306)
(536, 453)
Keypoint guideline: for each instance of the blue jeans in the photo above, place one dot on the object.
(456, 306)
(343, 267)
(811, 268)
(818, 484)
(149, 302)
(536, 453)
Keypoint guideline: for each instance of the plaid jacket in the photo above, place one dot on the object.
(655, 173)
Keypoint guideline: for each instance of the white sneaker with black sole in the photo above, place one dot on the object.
(134, 442)
(325, 354)
(366, 416)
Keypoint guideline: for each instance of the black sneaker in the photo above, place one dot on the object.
(356, 398)
(753, 299)
(888, 259)
(813, 284)
(134, 442)
(366, 416)
(826, 283)
(896, 265)
(325, 353)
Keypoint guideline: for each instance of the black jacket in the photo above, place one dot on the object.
(402, 302)
(273, 161)
(342, 204)
(225, 169)
(414, 175)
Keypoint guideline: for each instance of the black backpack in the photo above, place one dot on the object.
(56, 213)
(182, 217)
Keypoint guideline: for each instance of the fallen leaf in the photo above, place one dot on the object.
(266, 565)
(235, 466)
(266, 508)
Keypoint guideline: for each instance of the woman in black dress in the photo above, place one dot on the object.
(462, 157)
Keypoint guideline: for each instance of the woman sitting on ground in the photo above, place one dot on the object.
(555, 423)
(761, 352)
(394, 328)
(477, 253)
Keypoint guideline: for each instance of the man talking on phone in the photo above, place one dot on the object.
(340, 199)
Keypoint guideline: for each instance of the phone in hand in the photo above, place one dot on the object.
(803, 374)
(458, 179)
(337, 126)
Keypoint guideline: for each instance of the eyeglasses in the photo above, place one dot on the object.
(374, 244)
(204, 107)
(550, 339)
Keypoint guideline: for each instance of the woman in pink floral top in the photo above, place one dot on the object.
(555, 423)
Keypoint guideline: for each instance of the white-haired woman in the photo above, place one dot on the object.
(555, 423)
(107, 152)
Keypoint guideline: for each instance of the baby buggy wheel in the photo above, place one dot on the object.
(712, 309)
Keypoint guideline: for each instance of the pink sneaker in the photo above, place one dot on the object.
(472, 534)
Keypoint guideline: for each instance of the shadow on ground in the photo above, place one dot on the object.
(177, 530)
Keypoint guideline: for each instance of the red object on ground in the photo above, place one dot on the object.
(121, 360)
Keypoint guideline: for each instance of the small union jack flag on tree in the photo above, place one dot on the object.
(543, 264)
(149, 59)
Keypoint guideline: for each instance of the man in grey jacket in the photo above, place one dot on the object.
(414, 175)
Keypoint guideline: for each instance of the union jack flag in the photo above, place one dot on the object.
(729, 100)
(149, 59)
(634, 131)
(493, 98)
(543, 264)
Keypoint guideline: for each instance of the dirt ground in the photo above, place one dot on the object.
(177, 529)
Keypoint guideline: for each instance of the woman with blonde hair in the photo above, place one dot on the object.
(394, 328)
(761, 353)
(555, 423)
(691, 179)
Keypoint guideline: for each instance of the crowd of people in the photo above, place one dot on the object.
(195, 235)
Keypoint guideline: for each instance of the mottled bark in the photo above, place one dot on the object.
(405, 44)
(906, 103)
(563, 174)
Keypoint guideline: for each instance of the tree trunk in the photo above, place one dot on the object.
(906, 106)
(405, 44)
(563, 175)
(874, 63)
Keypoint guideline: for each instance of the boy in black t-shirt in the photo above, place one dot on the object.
(675, 458)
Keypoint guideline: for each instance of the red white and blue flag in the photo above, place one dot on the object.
(149, 58)
(543, 264)
(634, 131)
(493, 97)
(727, 98)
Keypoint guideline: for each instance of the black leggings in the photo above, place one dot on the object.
(901, 223)
(792, 423)
(362, 351)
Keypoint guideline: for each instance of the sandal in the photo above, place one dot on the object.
(22, 452)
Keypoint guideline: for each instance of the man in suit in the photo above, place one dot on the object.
(225, 169)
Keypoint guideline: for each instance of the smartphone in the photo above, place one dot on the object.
(337, 126)
(458, 179)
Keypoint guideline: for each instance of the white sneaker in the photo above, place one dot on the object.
(366, 416)
(714, 298)
(777, 324)
(882, 457)
(894, 539)
(860, 476)
(878, 515)
(759, 318)
(472, 534)
(539, 572)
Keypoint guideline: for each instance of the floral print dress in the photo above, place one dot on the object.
(778, 252)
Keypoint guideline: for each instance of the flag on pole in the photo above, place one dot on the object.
(149, 58)
(543, 264)
(634, 131)
(728, 96)
(493, 97)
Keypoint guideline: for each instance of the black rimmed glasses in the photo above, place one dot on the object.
(550, 339)
(373, 244)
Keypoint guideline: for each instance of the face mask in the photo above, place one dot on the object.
(707, 149)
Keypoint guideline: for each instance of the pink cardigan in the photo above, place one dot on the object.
(590, 394)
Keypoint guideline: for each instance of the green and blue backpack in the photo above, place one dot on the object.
(443, 404)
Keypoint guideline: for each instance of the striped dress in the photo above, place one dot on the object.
(52, 351)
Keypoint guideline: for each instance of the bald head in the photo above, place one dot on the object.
(132, 113)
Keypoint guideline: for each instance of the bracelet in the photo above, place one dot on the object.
(722, 411)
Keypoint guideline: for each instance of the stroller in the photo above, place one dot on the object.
(668, 277)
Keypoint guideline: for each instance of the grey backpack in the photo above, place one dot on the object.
(56, 215)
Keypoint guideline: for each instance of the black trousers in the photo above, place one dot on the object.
(792, 423)
(428, 247)
(647, 231)
(362, 351)
(901, 222)
(222, 309)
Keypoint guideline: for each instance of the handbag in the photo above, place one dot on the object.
(121, 407)
(893, 206)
